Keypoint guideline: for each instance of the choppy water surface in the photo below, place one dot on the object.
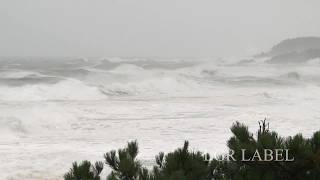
(55, 111)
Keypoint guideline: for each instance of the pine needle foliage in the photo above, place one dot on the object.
(84, 171)
(185, 164)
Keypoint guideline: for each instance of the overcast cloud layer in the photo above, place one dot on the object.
(152, 28)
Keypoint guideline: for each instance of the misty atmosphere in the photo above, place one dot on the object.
(79, 78)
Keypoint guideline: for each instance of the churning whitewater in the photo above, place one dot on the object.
(58, 110)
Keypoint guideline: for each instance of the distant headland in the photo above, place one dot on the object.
(296, 50)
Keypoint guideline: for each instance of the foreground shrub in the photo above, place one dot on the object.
(123, 162)
(306, 154)
(84, 171)
(183, 164)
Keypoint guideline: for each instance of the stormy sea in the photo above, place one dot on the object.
(58, 110)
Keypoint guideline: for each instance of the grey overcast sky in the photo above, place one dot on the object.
(152, 27)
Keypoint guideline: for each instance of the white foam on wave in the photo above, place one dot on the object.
(127, 69)
(134, 79)
(16, 73)
(128, 79)
(65, 90)
(199, 79)
(314, 62)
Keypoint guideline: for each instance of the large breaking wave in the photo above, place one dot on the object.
(79, 79)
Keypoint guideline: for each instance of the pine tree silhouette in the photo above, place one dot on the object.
(123, 162)
(305, 152)
(84, 171)
(183, 164)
